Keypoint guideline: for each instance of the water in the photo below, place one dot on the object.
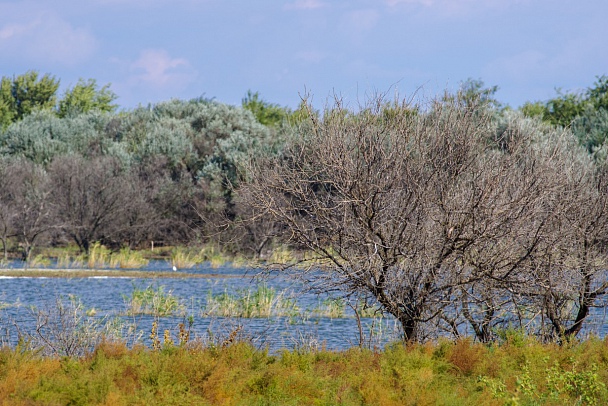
(108, 296)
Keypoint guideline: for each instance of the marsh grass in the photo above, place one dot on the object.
(153, 301)
(333, 308)
(214, 255)
(282, 255)
(240, 261)
(99, 256)
(39, 260)
(264, 301)
(128, 259)
(65, 260)
(182, 258)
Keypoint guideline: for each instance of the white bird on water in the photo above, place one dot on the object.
(174, 268)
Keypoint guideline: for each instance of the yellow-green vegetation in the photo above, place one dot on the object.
(282, 255)
(154, 301)
(213, 255)
(331, 307)
(39, 261)
(99, 256)
(518, 372)
(128, 259)
(265, 301)
(183, 258)
(261, 302)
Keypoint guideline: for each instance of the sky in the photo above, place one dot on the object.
(157, 50)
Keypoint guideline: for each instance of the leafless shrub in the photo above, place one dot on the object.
(439, 215)
(98, 200)
(25, 210)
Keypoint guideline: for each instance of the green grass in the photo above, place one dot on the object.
(153, 301)
(182, 258)
(214, 255)
(128, 259)
(264, 301)
(235, 373)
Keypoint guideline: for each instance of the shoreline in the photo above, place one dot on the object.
(107, 273)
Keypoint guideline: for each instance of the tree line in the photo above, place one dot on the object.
(73, 170)
(456, 215)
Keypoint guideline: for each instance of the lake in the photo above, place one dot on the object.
(310, 320)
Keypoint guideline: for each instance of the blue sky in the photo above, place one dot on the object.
(154, 50)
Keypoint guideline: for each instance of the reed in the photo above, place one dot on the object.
(65, 260)
(333, 308)
(216, 258)
(264, 301)
(99, 256)
(153, 301)
(282, 255)
(128, 259)
(39, 261)
(182, 258)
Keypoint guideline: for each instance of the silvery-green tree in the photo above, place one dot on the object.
(42, 135)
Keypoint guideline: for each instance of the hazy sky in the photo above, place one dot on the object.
(154, 50)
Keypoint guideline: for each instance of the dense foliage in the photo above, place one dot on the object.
(519, 371)
(163, 173)
(585, 112)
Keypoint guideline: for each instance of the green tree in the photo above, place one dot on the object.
(6, 103)
(25, 93)
(563, 109)
(266, 113)
(86, 96)
(598, 95)
(534, 109)
(568, 106)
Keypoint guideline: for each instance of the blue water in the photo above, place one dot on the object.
(109, 297)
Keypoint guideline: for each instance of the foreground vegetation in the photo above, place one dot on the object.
(519, 371)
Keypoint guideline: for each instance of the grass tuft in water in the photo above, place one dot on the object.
(213, 255)
(128, 259)
(333, 308)
(99, 256)
(262, 302)
(153, 301)
(39, 261)
(181, 258)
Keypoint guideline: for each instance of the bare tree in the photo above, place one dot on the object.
(534, 179)
(95, 199)
(7, 208)
(416, 209)
(570, 278)
(26, 210)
